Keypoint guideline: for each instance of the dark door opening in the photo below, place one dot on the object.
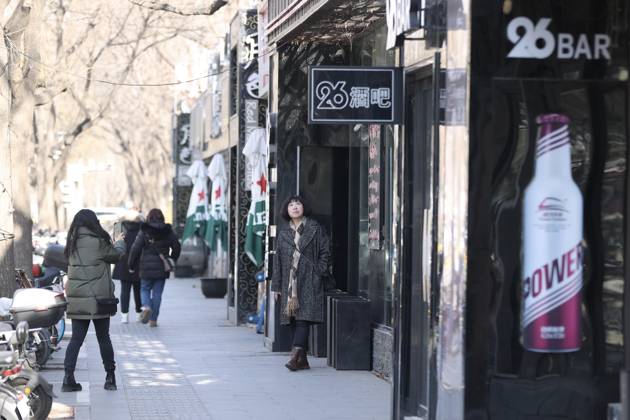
(323, 180)
(414, 322)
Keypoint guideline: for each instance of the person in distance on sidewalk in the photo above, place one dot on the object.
(129, 278)
(155, 244)
(301, 259)
(90, 253)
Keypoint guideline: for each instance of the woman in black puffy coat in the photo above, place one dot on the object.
(156, 242)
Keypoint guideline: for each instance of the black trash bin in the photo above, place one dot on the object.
(214, 288)
(349, 344)
(318, 337)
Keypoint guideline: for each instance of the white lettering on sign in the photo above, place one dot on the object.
(538, 42)
(331, 96)
(335, 96)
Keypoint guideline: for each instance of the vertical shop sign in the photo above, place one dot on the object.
(250, 92)
(251, 124)
(263, 50)
(183, 149)
(217, 99)
(374, 187)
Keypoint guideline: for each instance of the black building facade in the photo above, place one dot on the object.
(445, 272)
(569, 59)
(330, 164)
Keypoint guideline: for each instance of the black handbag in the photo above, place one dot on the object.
(107, 306)
(168, 262)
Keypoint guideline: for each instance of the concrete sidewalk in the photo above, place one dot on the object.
(196, 366)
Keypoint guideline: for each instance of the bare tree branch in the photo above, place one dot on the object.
(166, 7)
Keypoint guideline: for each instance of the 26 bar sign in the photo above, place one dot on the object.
(344, 94)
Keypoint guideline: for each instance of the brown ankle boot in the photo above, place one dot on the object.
(302, 360)
(292, 364)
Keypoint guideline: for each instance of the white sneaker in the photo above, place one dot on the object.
(124, 318)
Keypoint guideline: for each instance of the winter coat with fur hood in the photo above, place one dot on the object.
(154, 238)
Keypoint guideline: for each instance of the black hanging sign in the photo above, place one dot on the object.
(346, 94)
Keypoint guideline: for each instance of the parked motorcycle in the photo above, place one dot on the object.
(42, 309)
(24, 393)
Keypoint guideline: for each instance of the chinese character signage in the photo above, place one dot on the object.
(341, 94)
(374, 187)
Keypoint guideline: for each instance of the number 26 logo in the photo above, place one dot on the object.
(534, 42)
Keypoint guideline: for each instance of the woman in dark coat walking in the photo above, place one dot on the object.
(129, 276)
(300, 262)
(90, 253)
(154, 244)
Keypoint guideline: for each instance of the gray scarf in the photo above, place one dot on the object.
(293, 303)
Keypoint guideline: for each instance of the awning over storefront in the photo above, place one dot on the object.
(321, 20)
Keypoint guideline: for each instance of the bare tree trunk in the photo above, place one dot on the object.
(23, 44)
(7, 262)
(16, 113)
(21, 115)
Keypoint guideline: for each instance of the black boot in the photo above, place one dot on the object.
(110, 381)
(302, 360)
(69, 383)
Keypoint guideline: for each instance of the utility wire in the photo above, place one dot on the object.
(13, 47)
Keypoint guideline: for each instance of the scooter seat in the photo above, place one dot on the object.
(8, 358)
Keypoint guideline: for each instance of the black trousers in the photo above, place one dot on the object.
(125, 291)
(301, 330)
(79, 331)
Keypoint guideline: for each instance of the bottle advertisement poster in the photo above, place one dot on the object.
(552, 244)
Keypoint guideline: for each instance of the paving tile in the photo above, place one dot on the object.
(196, 366)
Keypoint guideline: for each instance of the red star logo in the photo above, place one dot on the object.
(217, 193)
(201, 195)
(263, 184)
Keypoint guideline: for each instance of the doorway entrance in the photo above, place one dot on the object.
(323, 182)
(416, 293)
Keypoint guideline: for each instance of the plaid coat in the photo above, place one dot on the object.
(315, 251)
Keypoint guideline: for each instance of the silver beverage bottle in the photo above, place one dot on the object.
(552, 250)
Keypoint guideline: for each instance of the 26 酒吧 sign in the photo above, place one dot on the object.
(344, 94)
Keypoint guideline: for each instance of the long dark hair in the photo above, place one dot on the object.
(155, 216)
(87, 219)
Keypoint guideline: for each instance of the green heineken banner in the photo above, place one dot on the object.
(217, 232)
(256, 152)
(197, 215)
